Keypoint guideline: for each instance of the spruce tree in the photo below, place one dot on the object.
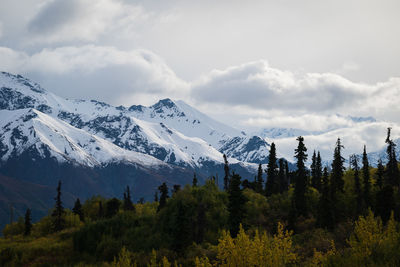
(299, 203)
(271, 184)
(28, 222)
(318, 172)
(226, 170)
(379, 173)
(357, 186)
(163, 196)
(235, 205)
(366, 180)
(194, 182)
(58, 212)
(313, 168)
(325, 215)
(392, 169)
(77, 209)
(259, 180)
(282, 177)
(128, 204)
(337, 169)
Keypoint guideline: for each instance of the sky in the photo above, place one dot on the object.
(304, 64)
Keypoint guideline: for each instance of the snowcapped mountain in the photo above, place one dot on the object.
(173, 132)
(26, 129)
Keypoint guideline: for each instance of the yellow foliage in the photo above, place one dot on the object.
(124, 259)
(202, 262)
(320, 259)
(261, 250)
(370, 236)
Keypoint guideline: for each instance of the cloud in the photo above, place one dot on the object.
(112, 75)
(258, 86)
(311, 122)
(82, 20)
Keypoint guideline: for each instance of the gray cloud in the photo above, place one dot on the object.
(54, 16)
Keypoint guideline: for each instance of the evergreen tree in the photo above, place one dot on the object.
(259, 180)
(58, 212)
(379, 173)
(313, 168)
(392, 169)
(366, 180)
(163, 196)
(235, 205)
(128, 204)
(194, 182)
(226, 170)
(77, 209)
(299, 203)
(318, 172)
(28, 222)
(325, 216)
(337, 169)
(271, 184)
(282, 177)
(385, 202)
(357, 186)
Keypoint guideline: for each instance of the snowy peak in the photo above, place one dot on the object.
(19, 82)
(29, 129)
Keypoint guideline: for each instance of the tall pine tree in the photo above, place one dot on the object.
(313, 169)
(366, 180)
(28, 222)
(357, 186)
(77, 209)
(282, 176)
(128, 204)
(235, 205)
(227, 175)
(163, 196)
(194, 181)
(337, 169)
(299, 203)
(392, 169)
(325, 215)
(259, 180)
(271, 184)
(379, 174)
(58, 212)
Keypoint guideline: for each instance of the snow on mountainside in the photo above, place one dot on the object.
(176, 134)
(25, 129)
(187, 120)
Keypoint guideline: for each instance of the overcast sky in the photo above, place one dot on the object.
(249, 63)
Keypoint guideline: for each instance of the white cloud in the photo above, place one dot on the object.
(91, 71)
(308, 97)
